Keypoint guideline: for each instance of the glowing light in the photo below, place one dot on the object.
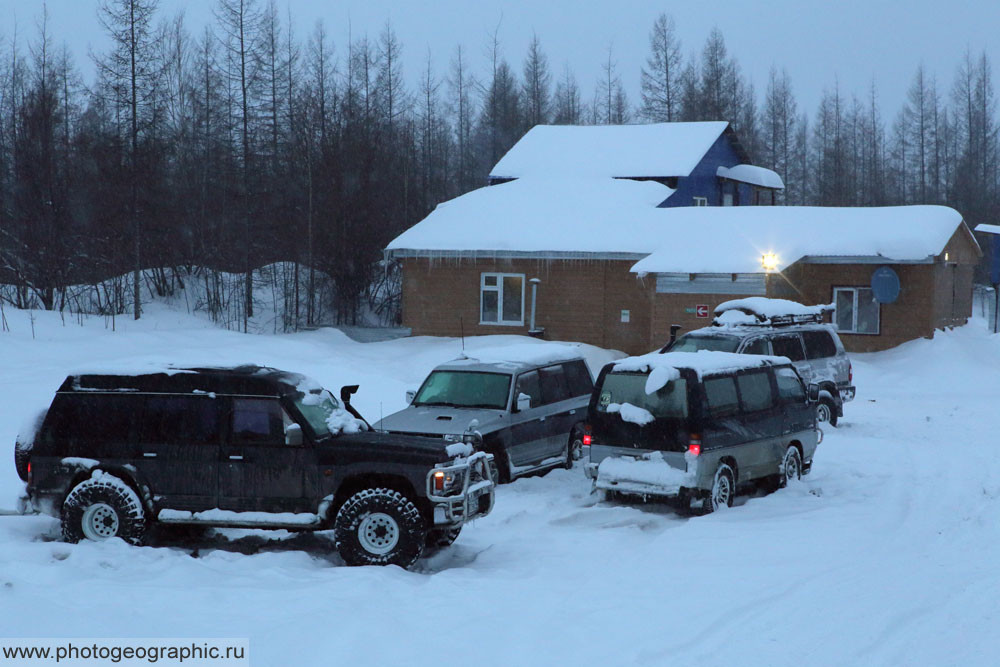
(769, 261)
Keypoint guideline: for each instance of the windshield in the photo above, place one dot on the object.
(690, 343)
(465, 389)
(670, 401)
(325, 416)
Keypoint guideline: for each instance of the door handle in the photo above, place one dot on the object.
(235, 457)
(149, 455)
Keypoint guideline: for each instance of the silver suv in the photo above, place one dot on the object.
(530, 414)
(749, 326)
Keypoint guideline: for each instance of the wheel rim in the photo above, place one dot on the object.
(378, 533)
(721, 492)
(100, 521)
(792, 467)
(823, 412)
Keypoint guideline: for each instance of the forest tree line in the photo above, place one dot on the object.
(198, 152)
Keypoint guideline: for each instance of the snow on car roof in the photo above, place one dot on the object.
(649, 150)
(516, 356)
(665, 367)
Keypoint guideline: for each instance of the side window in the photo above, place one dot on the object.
(790, 389)
(819, 344)
(721, 396)
(757, 346)
(258, 420)
(527, 383)
(755, 391)
(554, 385)
(181, 420)
(92, 419)
(578, 378)
(788, 345)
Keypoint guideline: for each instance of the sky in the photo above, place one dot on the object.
(820, 42)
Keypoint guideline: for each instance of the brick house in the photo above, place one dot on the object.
(603, 259)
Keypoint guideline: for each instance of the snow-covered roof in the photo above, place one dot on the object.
(733, 239)
(988, 229)
(590, 215)
(651, 150)
(664, 367)
(752, 174)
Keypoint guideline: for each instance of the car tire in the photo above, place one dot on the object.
(574, 450)
(826, 412)
(440, 538)
(723, 489)
(103, 507)
(379, 527)
(791, 466)
(502, 464)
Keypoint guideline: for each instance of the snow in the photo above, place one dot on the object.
(79, 461)
(666, 367)
(552, 214)
(884, 555)
(734, 318)
(457, 449)
(988, 229)
(649, 472)
(29, 428)
(538, 352)
(342, 421)
(768, 308)
(229, 516)
(609, 151)
(632, 413)
(752, 174)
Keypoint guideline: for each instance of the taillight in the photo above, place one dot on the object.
(29, 471)
(694, 444)
(587, 439)
(850, 372)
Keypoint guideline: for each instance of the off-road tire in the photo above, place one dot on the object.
(440, 538)
(574, 450)
(390, 512)
(828, 407)
(791, 466)
(723, 490)
(109, 501)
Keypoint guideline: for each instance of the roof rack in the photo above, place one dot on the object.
(773, 321)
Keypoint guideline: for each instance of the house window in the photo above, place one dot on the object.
(501, 298)
(857, 310)
(701, 201)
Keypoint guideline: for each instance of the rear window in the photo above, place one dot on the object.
(91, 419)
(755, 391)
(819, 344)
(691, 343)
(788, 345)
(670, 401)
(195, 420)
(721, 396)
(578, 378)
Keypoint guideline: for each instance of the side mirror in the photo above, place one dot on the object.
(813, 392)
(293, 435)
(410, 395)
(523, 402)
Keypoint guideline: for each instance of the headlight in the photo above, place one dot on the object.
(452, 437)
(473, 438)
(447, 482)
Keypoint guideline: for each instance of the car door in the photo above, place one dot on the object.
(258, 471)
(558, 411)
(790, 345)
(762, 416)
(527, 428)
(179, 439)
(797, 414)
(723, 431)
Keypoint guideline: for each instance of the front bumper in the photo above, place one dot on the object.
(476, 497)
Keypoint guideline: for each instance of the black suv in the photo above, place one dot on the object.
(245, 447)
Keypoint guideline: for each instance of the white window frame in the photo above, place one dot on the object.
(700, 201)
(483, 288)
(854, 320)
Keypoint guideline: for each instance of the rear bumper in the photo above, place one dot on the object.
(477, 496)
(847, 393)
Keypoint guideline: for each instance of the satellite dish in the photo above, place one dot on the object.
(885, 285)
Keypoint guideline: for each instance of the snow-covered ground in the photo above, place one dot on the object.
(886, 554)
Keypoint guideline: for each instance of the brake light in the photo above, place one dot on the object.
(29, 467)
(439, 481)
(850, 372)
(694, 444)
(587, 439)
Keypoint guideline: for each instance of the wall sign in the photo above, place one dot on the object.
(885, 285)
(701, 310)
(626, 316)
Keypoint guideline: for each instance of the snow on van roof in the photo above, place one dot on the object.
(733, 239)
(595, 215)
(665, 367)
(649, 150)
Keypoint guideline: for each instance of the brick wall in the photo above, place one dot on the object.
(578, 300)
(672, 309)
